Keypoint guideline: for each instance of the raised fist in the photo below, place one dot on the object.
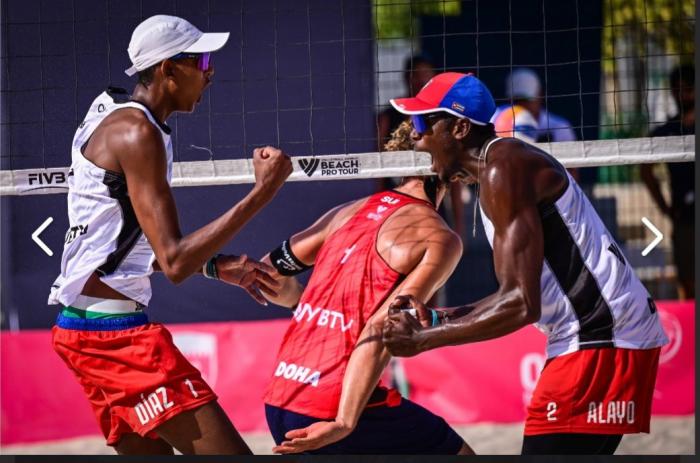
(272, 167)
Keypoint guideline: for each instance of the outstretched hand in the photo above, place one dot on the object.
(249, 274)
(312, 437)
(401, 332)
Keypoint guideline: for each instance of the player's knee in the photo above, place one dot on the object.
(466, 450)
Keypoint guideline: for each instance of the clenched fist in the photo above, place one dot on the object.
(272, 167)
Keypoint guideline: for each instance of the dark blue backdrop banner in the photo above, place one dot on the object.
(289, 70)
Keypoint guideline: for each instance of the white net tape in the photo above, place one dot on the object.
(370, 165)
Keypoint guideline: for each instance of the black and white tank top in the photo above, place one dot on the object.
(591, 297)
(104, 234)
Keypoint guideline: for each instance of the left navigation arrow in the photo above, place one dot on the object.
(37, 232)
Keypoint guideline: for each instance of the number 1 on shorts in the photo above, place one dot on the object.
(191, 386)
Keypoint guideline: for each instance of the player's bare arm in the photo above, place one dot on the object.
(518, 256)
(417, 242)
(305, 245)
(141, 156)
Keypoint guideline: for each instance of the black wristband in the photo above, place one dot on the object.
(284, 260)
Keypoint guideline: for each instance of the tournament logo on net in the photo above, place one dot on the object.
(309, 165)
(335, 166)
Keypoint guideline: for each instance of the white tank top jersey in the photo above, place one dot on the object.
(591, 297)
(104, 234)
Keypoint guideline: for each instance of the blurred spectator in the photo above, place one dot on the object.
(517, 122)
(417, 71)
(524, 89)
(681, 209)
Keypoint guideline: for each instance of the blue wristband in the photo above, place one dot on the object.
(435, 321)
(209, 269)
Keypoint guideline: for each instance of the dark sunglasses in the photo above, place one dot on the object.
(203, 59)
(423, 122)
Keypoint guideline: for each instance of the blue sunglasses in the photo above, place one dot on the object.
(423, 122)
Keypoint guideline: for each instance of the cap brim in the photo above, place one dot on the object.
(209, 42)
(413, 106)
(131, 71)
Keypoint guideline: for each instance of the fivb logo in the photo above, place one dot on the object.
(46, 178)
(309, 166)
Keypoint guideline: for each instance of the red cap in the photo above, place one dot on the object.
(461, 95)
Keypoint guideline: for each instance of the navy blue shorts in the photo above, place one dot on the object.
(406, 429)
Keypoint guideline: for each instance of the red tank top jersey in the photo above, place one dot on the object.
(349, 283)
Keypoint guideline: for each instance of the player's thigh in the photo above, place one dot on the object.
(204, 430)
(406, 429)
(133, 444)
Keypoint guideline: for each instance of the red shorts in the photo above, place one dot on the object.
(594, 391)
(135, 379)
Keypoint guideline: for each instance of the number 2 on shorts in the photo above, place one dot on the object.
(551, 410)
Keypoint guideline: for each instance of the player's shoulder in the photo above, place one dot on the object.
(130, 126)
(506, 159)
(129, 132)
(414, 232)
(443, 239)
(512, 158)
(518, 173)
(424, 223)
(339, 215)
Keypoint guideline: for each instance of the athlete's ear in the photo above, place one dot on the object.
(461, 128)
(167, 67)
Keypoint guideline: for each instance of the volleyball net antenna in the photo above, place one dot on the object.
(319, 89)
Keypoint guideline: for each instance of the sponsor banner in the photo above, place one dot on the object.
(45, 402)
(489, 381)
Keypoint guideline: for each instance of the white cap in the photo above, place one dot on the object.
(523, 83)
(161, 37)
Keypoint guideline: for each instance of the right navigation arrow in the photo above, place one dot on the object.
(656, 232)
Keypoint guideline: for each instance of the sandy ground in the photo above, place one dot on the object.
(669, 436)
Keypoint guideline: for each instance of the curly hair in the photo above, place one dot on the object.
(400, 138)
